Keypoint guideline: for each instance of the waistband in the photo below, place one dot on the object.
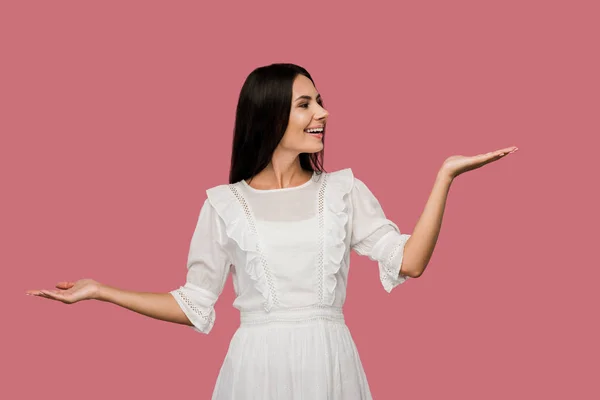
(298, 314)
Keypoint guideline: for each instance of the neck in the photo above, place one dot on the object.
(283, 171)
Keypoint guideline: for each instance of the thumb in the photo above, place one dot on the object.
(65, 285)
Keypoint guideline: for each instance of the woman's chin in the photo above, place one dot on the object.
(314, 149)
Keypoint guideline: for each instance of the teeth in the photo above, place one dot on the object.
(315, 130)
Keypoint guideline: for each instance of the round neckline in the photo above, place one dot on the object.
(308, 182)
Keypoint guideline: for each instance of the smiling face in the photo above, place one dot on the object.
(306, 112)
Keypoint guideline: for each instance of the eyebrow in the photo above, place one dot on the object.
(308, 97)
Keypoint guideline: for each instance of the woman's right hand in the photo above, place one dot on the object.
(70, 292)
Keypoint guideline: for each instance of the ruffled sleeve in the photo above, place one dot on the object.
(376, 236)
(208, 266)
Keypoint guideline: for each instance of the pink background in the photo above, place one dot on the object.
(117, 115)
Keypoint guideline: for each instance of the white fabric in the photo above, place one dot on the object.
(288, 251)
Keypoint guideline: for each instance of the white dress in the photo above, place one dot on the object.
(288, 250)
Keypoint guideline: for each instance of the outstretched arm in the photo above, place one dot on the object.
(419, 247)
(154, 305)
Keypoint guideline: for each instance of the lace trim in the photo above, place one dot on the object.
(250, 218)
(390, 270)
(192, 306)
(321, 219)
(333, 208)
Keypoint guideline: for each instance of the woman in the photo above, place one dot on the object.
(283, 227)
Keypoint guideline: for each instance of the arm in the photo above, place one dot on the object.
(160, 306)
(419, 247)
(208, 267)
(192, 304)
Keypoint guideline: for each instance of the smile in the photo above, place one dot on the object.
(314, 130)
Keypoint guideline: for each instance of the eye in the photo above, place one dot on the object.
(305, 105)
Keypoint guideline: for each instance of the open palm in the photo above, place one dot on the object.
(456, 165)
(70, 292)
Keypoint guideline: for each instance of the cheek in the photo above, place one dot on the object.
(295, 129)
(293, 136)
(298, 121)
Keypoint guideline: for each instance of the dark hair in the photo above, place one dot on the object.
(261, 118)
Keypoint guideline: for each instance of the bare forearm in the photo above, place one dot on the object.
(160, 306)
(419, 247)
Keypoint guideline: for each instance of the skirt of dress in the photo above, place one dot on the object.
(292, 354)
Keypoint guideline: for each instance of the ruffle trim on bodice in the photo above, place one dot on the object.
(333, 210)
(231, 206)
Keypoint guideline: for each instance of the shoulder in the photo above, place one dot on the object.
(344, 177)
(341, 173)
(223, 201)
(218, 189)
(220, 195)
(347, 178)
(339, 183)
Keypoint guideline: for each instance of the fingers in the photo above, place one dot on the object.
(44, 294)
(499, 153)
(506, 151)
(39, 293)
(48, 294)
(52, 294)
(34, 292)
(489, 157)
(64, 285)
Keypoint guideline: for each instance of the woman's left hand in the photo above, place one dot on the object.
(456, 165)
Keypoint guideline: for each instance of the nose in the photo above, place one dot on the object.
(321, 116)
